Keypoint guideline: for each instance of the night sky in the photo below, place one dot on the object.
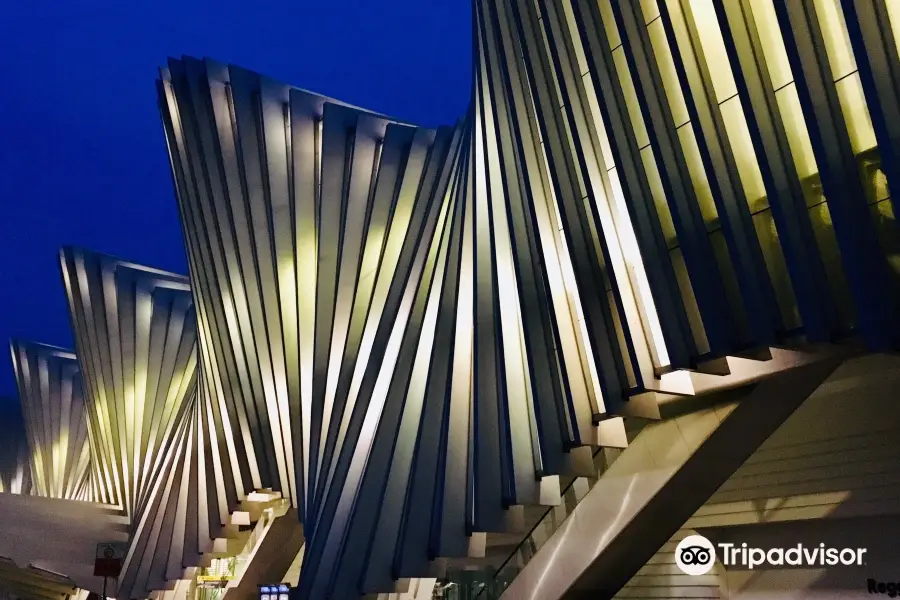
(82, 151)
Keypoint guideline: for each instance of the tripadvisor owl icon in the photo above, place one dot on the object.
(695, 555)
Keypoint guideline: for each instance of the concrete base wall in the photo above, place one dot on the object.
(59, 535)
(830, 474)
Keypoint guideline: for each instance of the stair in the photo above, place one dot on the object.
(674, 464)
(734, 371)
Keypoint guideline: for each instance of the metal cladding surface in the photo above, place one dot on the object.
(350, 274)
(52, 401)
(411, 332)
(15, 468)
(414, 334)
(135, 329)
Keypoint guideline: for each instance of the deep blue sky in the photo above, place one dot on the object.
(82, 153)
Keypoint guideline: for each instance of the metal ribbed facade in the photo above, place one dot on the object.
(415, 330)
(415, 334)
(135, 330)
(15, 468)
(50, 389)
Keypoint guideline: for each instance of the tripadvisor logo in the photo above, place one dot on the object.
(696, 555)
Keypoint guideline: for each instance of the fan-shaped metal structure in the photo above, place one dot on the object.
(15, 470)
(415, 333)
(135, 330)
(52, 402)
(420, 335)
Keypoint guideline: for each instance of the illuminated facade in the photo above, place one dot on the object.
(122, 427)
(436, 323)
(49, 382)
(427, 341)
(15, 470)
(136, 335)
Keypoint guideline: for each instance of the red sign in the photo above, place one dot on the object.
(108, 562)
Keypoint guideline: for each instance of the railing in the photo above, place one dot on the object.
(242, 560)
(232, 569)
(489, 584)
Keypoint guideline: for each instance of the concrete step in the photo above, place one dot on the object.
(737, 370)
(668, 471)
